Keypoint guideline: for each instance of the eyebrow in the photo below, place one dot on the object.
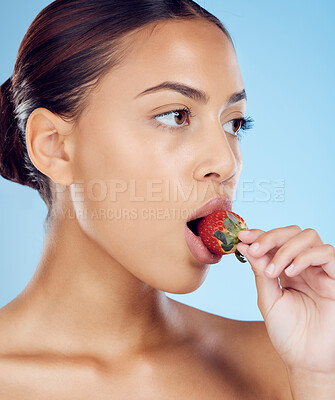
(192, 93)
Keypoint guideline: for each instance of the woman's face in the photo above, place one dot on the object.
(141, 176)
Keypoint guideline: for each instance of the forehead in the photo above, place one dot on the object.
(195, 52)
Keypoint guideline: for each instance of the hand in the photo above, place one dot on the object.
(299, 312)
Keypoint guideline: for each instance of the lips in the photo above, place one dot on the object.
(214, 204)
(194, 241)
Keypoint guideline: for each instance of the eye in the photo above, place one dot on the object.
(174, 119)
(234, 125)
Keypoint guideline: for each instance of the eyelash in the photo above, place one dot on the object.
(247, 122)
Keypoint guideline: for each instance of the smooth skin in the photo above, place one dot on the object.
(94, 321)
(299, 312)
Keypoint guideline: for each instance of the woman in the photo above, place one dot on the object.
(99, 109)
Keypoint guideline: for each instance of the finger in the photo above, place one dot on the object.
(319, 283)
(250, 235)
(268, 289)
(273, 238)
(303, 240)
(323, 256)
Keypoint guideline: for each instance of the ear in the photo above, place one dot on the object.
(49, 145)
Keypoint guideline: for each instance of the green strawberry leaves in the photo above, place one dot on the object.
(234, 219)
(240, 256)
(229, 240)
(221, 236)
(227, 247)
(230, 226)
(225, 238)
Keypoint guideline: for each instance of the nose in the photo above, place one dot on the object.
(217, 159)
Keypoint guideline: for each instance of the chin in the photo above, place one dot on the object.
(187, 279)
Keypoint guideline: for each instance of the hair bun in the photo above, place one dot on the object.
(11, 151)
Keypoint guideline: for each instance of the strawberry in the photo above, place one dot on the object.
(219, 232)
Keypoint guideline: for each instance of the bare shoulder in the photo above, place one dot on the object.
(246, 347)
(256, 356)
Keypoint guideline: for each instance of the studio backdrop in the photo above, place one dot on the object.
(286, 53)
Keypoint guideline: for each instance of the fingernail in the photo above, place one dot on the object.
(254, 247)
(244, 233)
(290, 268)
(270, 268)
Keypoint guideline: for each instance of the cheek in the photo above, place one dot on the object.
(146, 243)
(127, 209)
(116, 182)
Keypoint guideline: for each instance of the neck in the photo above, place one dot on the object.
(82, 299)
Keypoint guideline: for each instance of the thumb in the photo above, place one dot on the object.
(268, 289)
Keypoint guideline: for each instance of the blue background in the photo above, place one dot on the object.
(287, 59)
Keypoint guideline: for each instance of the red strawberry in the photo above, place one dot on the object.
(219, 232)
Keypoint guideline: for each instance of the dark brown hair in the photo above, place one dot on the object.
(67, 49)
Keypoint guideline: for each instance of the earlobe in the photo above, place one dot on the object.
(48, 145)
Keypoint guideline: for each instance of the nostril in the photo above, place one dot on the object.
(212, 173)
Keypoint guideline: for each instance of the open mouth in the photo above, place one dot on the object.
(193, 225)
